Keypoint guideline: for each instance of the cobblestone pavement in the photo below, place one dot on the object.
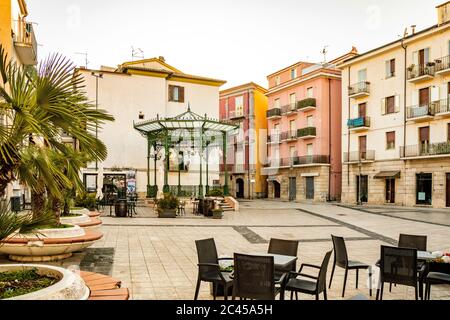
(156, 258)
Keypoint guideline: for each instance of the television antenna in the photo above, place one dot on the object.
(136, 53)
(324, 53)
(85, 54)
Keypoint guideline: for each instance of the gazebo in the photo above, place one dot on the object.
(185, 130)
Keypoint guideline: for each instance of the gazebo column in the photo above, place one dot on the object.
(224, 154)
(200, 186)
(179, 170)
(166, 187)
(148, 167)
(207, 167)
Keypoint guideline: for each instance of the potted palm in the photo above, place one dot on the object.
(167, 206)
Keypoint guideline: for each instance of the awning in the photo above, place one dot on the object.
(272, 179)
(387, 175)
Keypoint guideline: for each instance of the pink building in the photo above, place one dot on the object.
(304, 132)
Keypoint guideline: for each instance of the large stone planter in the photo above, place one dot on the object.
(84, 221)
(69, 287)
(80, 211)
(49, 244)
(168, 213)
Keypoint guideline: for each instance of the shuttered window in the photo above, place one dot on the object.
(424, 134)
(390, 68)
(390, 140)
(176, 93)
(390, 105)
(448, 131)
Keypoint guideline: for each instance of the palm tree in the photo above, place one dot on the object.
(37, 107)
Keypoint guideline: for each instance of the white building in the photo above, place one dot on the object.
(396, 120)
(137, 91)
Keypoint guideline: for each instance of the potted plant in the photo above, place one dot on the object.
(167, 206)
(217, 213)
(411, 68)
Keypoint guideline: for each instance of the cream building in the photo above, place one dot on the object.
(396, 120)
(137, 91)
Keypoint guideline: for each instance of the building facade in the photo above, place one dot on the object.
(18, 39)
(304, 146)
(246, 105)
(137, 91)
(396, 120)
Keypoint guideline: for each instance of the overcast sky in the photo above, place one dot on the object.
(234, 40)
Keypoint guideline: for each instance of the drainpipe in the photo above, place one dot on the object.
(405, 49)
(348, 131)
(329, 138)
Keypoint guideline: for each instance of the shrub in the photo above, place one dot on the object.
(169, 202)
(215, 193)
(86, 200)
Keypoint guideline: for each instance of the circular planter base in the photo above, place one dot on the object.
(55, 257)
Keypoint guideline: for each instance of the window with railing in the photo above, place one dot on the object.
(359, 88)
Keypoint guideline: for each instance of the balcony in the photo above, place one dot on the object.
(306, 133)
(359, 90)
(422, 113)
(442, 109)
(289, 109)
(430, 150)
(304, 161)
(306, 104)
(236, 115)
(274, 113)
(359, 156)
(25, 42)
(289, 135)
(442, 67)
(421, 73)
(274, 139)
(358, 124)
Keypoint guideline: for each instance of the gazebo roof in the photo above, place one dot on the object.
(188, 120)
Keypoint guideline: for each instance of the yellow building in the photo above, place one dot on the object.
(246, 105)
(16, 33)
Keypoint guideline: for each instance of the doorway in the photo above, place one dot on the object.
(390, 190)
(239, 188)
(292, 189)
(310, 188)
(276, 190)
(362, 141)
(447, 190)
(364, 196)
(424, 186)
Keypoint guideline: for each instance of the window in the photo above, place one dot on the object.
(176, 93)
(424, 186)
(310, 92)
(424, 139)
(390, 140)
(277, 80)
(309, 149)
(292, 126)
(362, 110)
(239, 105)
(277, 103)
(362, 75)
(293, 73)
(292, 152)
(390, 105)
(390, 68)
(292, 99)
(90, 182)
(310, 121)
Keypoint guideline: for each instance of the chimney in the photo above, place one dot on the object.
(413, 29)
(162, 58)
(443, 12)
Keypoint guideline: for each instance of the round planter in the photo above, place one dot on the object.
(94, 214)
(48, 245)
(69, 287)
(83, 218)
(83, 221)
(79, 211)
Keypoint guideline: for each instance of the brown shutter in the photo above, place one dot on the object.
(391, 105)
(362, 110)
(448, 131)
(170, 93)
(390, 140)
(392, 67)
(424, 96)
(362, 143)
(424, 134)
(180, 94)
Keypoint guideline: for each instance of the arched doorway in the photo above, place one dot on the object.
(239, 188)
(276, 190)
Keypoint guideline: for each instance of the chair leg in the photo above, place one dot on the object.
(225, 293)
(378, 294)
(292, 295)
(197, 288)
(317, 295)
(215, 285)
(357, 278)
(345, 283)
(390, 287)
(381, 291)
(296, 295)
(370, 281)
(332, 273)
(416, 292)
(325, 294)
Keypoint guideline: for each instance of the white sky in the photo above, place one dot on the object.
(237, 41)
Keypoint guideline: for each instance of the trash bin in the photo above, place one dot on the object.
(15, 204)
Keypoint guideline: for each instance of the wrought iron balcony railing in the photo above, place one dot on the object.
(306, 104)
(362, 87)
(442, 64)
(289, 135)
(428, 109)
(304, 160)
(358, 122)
(275, 112)
(417, 71)
(359, 156)
(425, 149)
(289, 108)
(306, 132)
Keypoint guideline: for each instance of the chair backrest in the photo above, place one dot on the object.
(283, 247)
(322, 279)
(254, 277)
(413, 241)
(398, 265)
(207, 253)
(340, 251)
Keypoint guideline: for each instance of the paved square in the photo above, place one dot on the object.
(156, 258)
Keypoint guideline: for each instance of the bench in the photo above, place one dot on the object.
(104, 287)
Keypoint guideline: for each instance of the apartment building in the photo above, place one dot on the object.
(246, 105)
(396, 120)
(304, 132)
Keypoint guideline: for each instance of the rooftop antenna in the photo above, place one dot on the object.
(85, 54)
(324, 53)
(136, 53)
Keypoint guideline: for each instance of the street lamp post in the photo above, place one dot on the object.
(97, 76)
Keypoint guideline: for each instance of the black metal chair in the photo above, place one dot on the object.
(316, 287)
(341, 260)
(436, 273)
(209, 268)
(398, 265)
(254, 277)
(286, 248)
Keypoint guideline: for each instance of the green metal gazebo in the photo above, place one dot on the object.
(199, 131)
